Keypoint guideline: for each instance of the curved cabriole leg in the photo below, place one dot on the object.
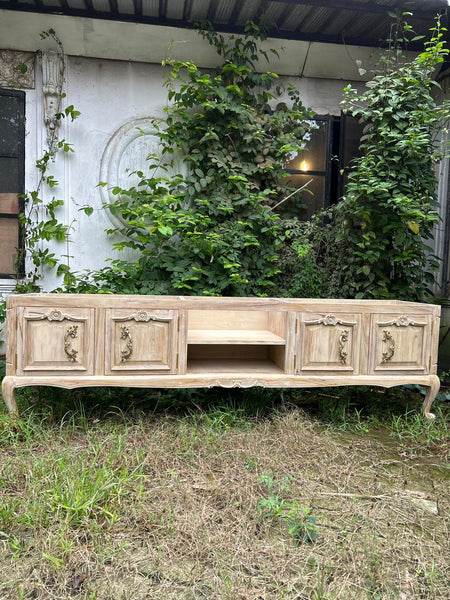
(9, 395)
(432, 391)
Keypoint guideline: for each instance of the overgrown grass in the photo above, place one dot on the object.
(132, 494)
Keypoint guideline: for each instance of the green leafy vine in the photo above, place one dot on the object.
(211, 230)
(39, 220)
(391, 195)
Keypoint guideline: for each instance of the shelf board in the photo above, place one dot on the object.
(234, 336)
(213, 366)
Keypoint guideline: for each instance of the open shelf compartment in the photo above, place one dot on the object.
(228, 358)
(237, 327)
(236, 341)
(234, 336)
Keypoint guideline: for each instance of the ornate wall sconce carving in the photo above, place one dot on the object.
(52, 80)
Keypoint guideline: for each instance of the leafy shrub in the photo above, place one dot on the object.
(391, 201)
(373, 243)
(212, 230)
(314, 259)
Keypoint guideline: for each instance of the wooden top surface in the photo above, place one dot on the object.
(216, 303)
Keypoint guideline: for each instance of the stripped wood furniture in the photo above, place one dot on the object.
(72, 341)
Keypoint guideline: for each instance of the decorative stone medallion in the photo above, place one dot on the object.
(127, 152)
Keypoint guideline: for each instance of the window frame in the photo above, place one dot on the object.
(20, 156)
(332, 160)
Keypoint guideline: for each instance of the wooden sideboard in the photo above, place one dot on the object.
(71, 341)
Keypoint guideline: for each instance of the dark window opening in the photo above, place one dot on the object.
(332, 144)
(12, 179)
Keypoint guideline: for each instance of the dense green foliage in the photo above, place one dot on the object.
(212, 230)
(40, 223)
(391, 194)
(315, 259)
(374, 242)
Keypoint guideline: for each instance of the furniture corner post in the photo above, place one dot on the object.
(9, 395)
(432, 390)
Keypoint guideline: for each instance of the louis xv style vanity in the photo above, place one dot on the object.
(75, 341)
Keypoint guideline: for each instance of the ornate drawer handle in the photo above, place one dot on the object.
(128, 350)
(343, 352)
(389, 352)
(72, 332)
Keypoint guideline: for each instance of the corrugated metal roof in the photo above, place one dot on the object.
(150, 8)
(361, 22)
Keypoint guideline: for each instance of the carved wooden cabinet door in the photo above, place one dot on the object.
(399, 343)
(56, 340)
(328, 342)
(139, 341)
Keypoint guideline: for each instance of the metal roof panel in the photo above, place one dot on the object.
(273, 13)
(101, 5)
(175, 9)
(150, 8)
(362, 22)
(56, 3)
(248, 12)
(199, 10)
(316, 19)
(292, 19)
(126, 7)
(77, 4)
(224, 10)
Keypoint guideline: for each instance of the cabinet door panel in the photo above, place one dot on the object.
(141, 341)
(328, 343)
(399, 343)
(57, 340)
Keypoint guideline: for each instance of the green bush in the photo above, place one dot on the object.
(391, 201)
(213, 230)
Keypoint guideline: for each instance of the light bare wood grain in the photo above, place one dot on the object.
(234, 336)
(11, 336)
(141, 340)
(329, 342)
(224, 303)
(74, 341)
(55, 340)
(400, 343)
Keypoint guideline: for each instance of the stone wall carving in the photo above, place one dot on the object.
(17, 69)
(52, 80)
(127, 151)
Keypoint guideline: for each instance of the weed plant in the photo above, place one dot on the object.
(275, 506)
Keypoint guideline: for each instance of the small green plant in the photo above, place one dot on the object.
(299, 520)
(17, 547)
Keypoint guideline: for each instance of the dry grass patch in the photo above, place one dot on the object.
(170, 508)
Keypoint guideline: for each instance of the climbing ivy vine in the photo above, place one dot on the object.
(39, 220)
(391, 195)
